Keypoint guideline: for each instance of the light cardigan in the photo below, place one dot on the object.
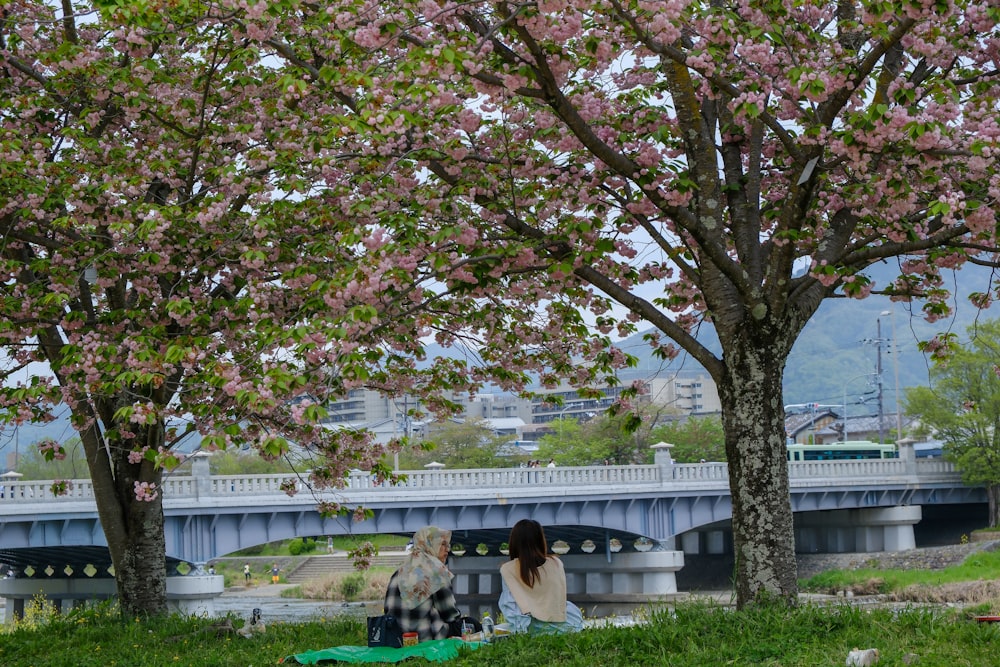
(546, 601)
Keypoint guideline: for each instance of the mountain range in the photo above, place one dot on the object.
(836, 356)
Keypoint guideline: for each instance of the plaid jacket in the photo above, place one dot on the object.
(430, 618)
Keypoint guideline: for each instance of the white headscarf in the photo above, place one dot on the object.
(423, 574)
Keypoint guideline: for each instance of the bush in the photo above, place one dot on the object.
(296, 546)
(330, 587)
(352, 585)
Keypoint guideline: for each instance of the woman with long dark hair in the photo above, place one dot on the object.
(533, 596)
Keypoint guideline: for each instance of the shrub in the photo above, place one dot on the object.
(296, 546)
(352, 585)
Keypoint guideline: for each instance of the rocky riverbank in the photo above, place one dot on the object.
(929, 558)
(711, 572)
(926, 558)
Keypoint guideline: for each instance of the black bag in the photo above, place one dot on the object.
(384, 630)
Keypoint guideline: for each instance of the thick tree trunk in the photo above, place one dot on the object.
(140, 560)
(993, 497)
(133, 528)
(753, 416)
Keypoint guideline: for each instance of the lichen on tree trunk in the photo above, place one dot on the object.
(142, 576)
(753, 416)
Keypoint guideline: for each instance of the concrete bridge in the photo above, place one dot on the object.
(599, 512)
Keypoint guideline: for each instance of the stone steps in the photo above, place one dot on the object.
(316, 567)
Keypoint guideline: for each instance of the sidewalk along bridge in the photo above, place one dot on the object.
(599, 512)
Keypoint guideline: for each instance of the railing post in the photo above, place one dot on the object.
(908, 455)
(662, 458)
(202, 474)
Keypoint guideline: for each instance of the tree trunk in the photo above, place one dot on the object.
(993, 497)
(133, 528)
(140, 560)
(753, 417)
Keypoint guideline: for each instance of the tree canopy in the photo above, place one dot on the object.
(460, 444)
(694, 439)
(962, 408)
(606, 437)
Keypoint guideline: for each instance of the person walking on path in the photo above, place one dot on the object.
(274, 573)
(246, 573)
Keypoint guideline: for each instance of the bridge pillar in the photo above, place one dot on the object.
(857, 530)
(592, 582)
(193, 594)
(713, 542)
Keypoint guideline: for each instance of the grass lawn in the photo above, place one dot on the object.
(692, 634)
(689, 635)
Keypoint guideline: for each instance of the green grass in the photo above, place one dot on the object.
(348, 542)
(340, 542)
(982, 565)
(691, 635)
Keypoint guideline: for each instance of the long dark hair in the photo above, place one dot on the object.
(527, 544)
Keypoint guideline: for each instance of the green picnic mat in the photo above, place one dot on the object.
(436, 650)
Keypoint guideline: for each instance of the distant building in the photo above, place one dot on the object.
(804, 427)
(831, 428)
(683, 392)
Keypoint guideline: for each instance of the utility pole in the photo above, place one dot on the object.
(878, 372)
(878, 342)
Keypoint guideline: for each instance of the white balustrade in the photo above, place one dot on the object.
(681, 475)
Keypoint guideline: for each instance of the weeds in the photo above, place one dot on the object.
(346, 586)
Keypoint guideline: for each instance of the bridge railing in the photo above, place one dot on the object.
(501, 477)
(687, 475)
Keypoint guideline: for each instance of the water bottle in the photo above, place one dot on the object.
(487, 626)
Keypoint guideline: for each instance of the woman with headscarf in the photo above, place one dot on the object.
(533, 593)
(419, 593)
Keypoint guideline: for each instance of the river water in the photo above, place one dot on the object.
(241, 603)
(274, 608)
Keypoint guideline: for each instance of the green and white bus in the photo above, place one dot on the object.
(841, 451)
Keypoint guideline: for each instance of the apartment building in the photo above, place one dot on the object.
(681, 392)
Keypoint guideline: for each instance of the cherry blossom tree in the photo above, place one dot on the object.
(168, 268)
(563, 163)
